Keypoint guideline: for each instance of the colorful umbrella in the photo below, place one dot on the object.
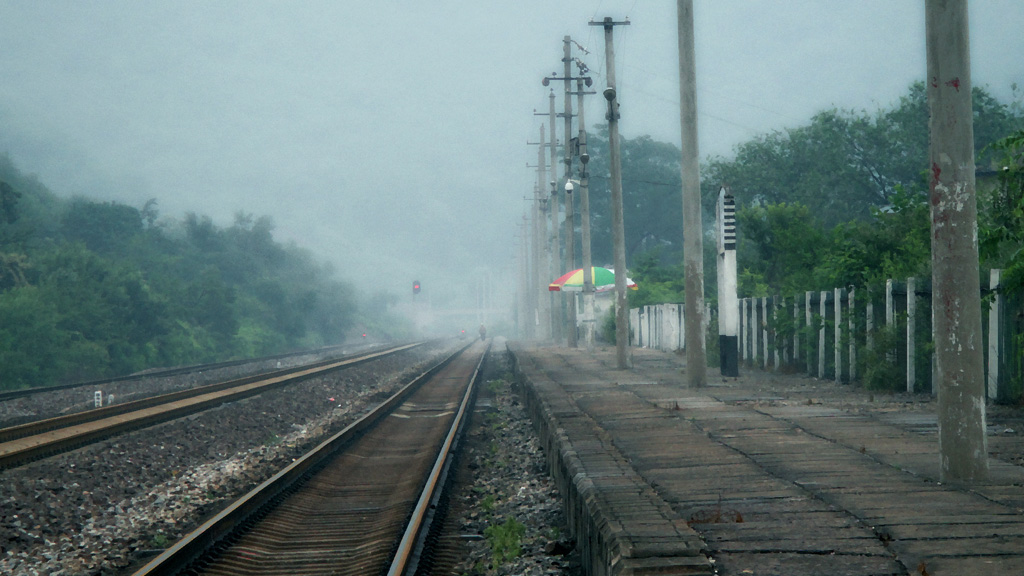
(604, 281)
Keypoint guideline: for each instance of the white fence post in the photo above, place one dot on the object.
(911, 315)
(869, 327)
(743, 329)
(853, 338)
(796, 328)
(807, 316)
(764, 330)
(890, 317)
(995, 348)
(821, 336)
(837, 313)
(775, 321)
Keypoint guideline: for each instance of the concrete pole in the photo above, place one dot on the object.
(956, 292)
(531, 302)
(557, 267)
(618, 227)
(588, 273)
(535, 260)
(570, 216)
(543, 313)
(693, 230)
(524, 280)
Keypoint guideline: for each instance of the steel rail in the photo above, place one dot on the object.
(405, 561)
(257, 502)
(159, 373)
(19, 444)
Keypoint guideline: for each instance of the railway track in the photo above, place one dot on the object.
(357, 504)
(25, 392)
(34, 440)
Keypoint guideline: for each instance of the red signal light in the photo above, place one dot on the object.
(415, 287)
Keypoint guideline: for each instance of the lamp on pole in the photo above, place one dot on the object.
(584, 182)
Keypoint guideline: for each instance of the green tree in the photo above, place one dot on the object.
(1001, 220)
(779, 247)
(656, 283)
(844, 163)
(105, 228)
(651, 198)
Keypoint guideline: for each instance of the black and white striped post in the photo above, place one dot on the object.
(728, 305)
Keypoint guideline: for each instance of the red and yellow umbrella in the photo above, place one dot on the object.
(603, 278)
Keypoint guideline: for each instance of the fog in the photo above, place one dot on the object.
(390, 137)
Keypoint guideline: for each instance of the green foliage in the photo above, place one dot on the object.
(105, 228)
(91, 289)
(881, 371)
(779, 246)
(651, 197)
(505, 541)
(844, 162)
(608, 326)
(712, 348)
(160, 540)
(1001, 221)
(894, 243)
(656, 284)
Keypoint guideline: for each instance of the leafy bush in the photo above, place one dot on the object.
(505, 541)
(879, 366)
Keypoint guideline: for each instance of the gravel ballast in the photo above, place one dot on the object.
(107, 507)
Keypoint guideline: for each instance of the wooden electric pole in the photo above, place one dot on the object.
(693, 231)
(956, 291)
(618, 227)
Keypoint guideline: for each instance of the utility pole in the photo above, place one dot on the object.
(524, 281)
(541, 287)
(557, 302)
(618, 227)
(534, 262)
(693, 231)
(956, 291)
(588, 271)
(570, 214)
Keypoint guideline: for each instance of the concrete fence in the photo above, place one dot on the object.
(852, 333)
(661, 326)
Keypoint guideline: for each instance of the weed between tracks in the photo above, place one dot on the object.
(505, 541)
(512, 520)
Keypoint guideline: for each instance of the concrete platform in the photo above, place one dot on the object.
(759, 475)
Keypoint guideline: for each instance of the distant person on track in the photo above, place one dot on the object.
(483, 332)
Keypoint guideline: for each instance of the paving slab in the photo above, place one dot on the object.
(762, 474)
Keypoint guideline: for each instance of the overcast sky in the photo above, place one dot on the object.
(390, 137)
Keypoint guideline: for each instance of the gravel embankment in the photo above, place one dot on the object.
(105, 507)
(509, 490)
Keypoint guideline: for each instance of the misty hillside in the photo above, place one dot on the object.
(91, 289)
